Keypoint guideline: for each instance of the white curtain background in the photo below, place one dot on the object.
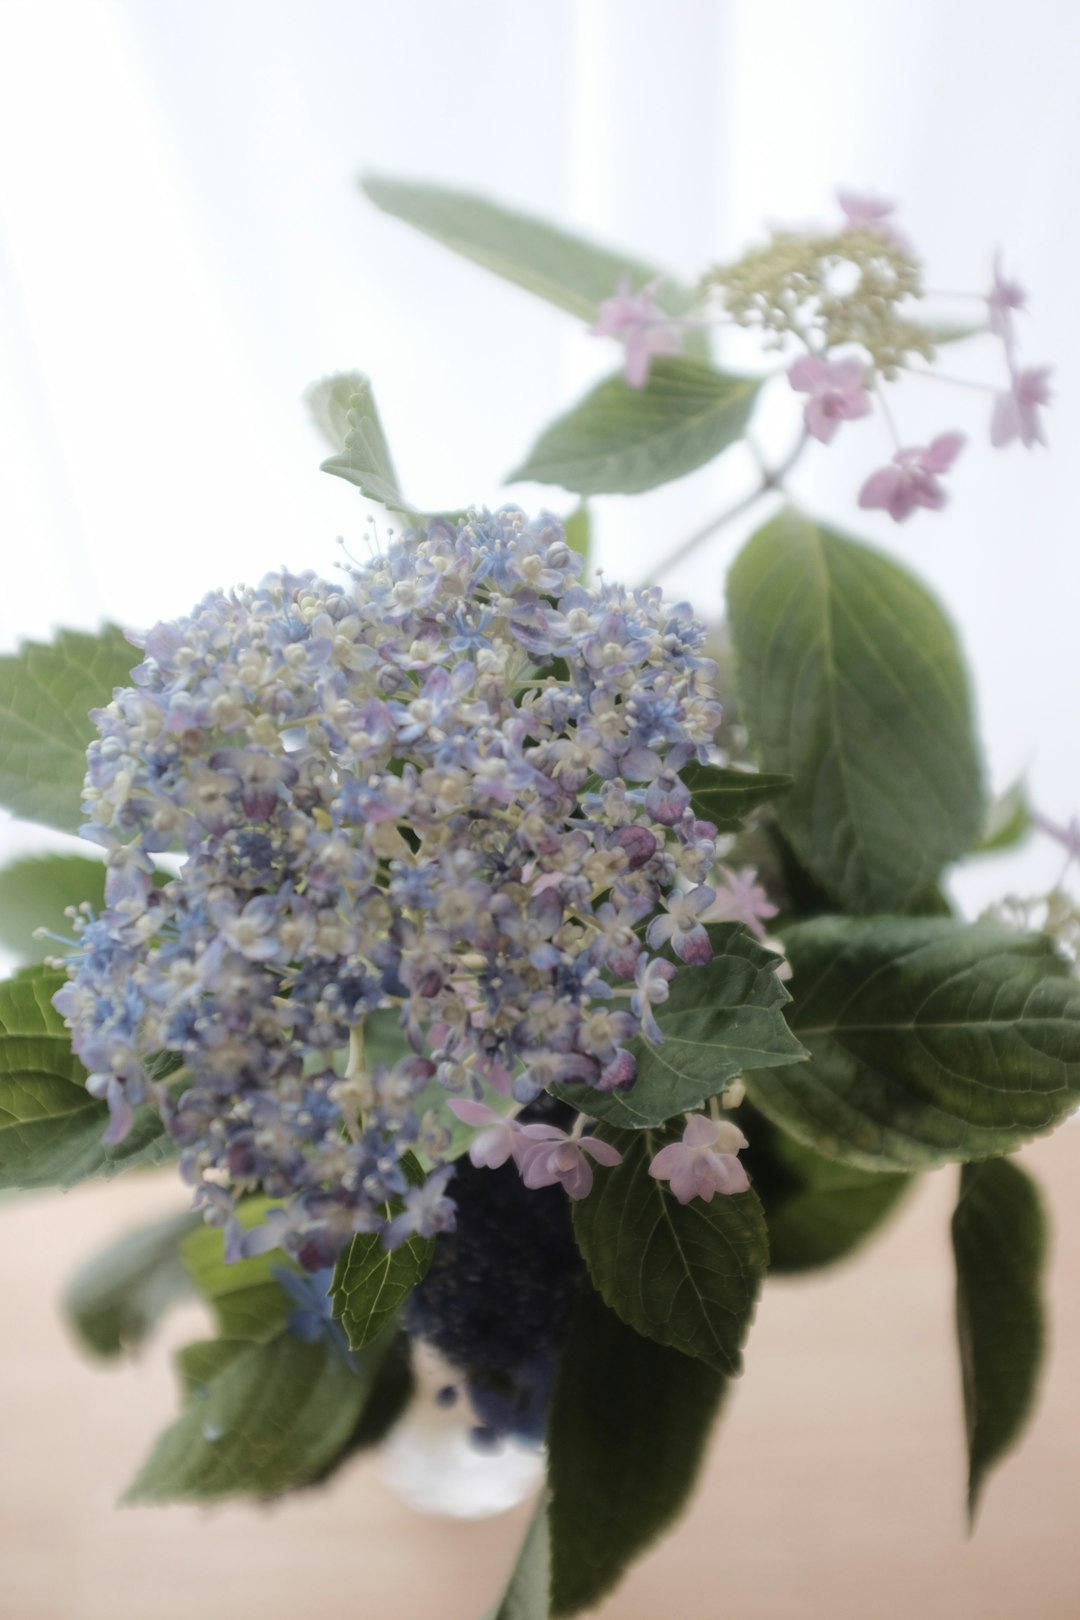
(183, 248)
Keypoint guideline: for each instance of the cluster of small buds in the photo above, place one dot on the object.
(447, 786)
(845, 297)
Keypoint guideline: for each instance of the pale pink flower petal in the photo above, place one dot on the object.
(911, 480)
(740, 898)
(1003, 298)
(704, 1162)
(836, 393)
(1016, 411)
(644, 329)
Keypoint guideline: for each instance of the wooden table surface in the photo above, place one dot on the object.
(834, 1487)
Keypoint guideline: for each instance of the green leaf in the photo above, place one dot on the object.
(726, 797)
(116, 1298)
(246, 1299)
(34, 893)
(259, 1419)
(1000, 1243)
(628, 1428)
(569, 272)
(686, 1275)
(46, 694)
(372, 1283)
(929, 1040)
(620, 440)
(817, 1211)
(50, 1127)
(851, 681)
(718, 1020)
(346, 407)
(1008, 822)
(527, 1593)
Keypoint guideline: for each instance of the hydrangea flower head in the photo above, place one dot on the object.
(443, 791)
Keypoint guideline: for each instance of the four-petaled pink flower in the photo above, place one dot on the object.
(495, 1145)
(742, 899)
(912, 478)
(1016, 411)
(551, 1156)
(640, 325)
(704, 1161)
(682, 925)
(1003, 298)
(836, 393)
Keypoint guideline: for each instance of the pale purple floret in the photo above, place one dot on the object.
(837, 393)
(652, 982)
(682, 925)
(1004, 297)
(912, 478)
(704, 1162)
(1016, 410)
(494, 1145)
(645, 330)
(555, 1157)
(740, 898)
(865, 212)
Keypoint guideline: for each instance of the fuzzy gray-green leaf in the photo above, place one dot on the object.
(620, 440)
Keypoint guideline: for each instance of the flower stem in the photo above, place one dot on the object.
(771, 479)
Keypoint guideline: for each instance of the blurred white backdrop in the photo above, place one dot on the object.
(183, 248)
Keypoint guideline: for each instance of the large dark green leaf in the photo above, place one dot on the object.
(527, 1593)
(46, 694)
(116, 1298)
(686, 1275)
(726, 797)
(629, 1424)
(929, 1040)
(567, 271)
(999, 1240)
(620, 440)
(35, 892)
(259, 1418)
(851, 681)
(719, 1019)
(50, 1126)
(817, 1211)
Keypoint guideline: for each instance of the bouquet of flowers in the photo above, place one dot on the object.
(515, 965)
